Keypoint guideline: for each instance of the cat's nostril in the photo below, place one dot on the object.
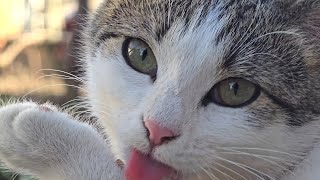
(157, 134)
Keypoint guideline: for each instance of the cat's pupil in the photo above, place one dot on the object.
(234, 86)
(143, 53)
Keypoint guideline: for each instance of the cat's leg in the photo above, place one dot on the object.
(46, 143)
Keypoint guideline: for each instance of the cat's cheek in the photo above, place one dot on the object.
(116, 94)
(114, 87)
(224, 124)
(132, 135)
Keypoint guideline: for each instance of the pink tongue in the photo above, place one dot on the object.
(142, 167)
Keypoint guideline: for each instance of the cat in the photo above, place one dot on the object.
(185, 90)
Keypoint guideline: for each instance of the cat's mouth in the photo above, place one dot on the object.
(144, 167)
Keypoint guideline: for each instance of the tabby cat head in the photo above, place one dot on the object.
(237, 83)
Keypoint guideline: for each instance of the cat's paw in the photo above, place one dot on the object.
(23, 134)
(40, 140)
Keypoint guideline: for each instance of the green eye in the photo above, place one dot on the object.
(234, 92)
(139, 56)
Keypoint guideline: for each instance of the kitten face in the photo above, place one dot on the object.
(272, 44)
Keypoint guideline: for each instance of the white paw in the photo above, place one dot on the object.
(40, 140)
(23, 134)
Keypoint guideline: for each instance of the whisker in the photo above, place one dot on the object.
(75, 100)
(224, 174)
(59, 76)
(64, 72)
(257, 156)
(52, 85)
(229, 169)
(244, 167)
(209, 174)
(263, 157)
(268, 150)
(197, 173)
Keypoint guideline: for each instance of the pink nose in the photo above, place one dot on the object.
(157, 134)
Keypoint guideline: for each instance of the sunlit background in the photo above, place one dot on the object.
(38, 44)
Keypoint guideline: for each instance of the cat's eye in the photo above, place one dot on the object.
(139, 56)
(234, 92)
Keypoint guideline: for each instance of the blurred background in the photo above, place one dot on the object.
(39, 40)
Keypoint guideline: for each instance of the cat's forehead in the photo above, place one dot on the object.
(155, 17)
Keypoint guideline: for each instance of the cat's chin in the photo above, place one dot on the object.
(143, 167)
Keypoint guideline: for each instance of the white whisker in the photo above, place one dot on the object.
(209, 174)
(262, 157)
(59, 76)
(64, 72)
(224, 174)
(73, 101)
(245, 167)
(229, 169)
(52, 85)
(268, 150)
